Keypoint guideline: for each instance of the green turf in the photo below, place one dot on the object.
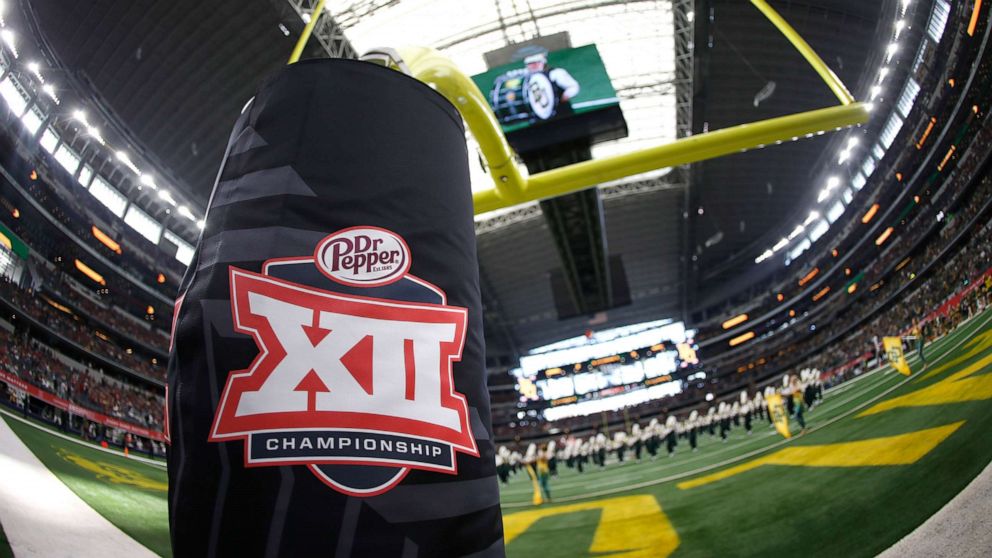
(141, 512)
(771, 510)
(782, 511)
(5, 551)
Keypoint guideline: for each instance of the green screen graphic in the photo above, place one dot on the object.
(546, 87)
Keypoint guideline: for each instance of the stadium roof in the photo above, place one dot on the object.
(175, 74)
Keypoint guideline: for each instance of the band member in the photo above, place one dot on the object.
(636, 440)
(769, 390)
(723, 412)
(693, 428)
(601, 443)
(790, 405)
(798, 403)
(620, 444)
(654, 438)
(503, 464)
(747, 411)
(671, 424)
(553, 458)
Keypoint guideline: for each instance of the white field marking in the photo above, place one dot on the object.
(704, 454)
(826, 406)
(583, 480)
(43, 518)
(759, 451)
(58, 434)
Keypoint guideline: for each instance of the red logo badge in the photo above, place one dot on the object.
(357, 388)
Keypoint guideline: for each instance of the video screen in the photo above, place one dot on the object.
(630, 373)
(546, 87)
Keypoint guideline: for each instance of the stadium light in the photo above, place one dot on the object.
(780, 244)
(94, 132)
(167, 197)
(870, 213)
(813, 216)
(741, 338)
(973, 23)
(35, 69)
(10, 40)
(876, 90)
(90, 272)
(797, 231)
(49, 90)
(891, 50)
(809, 276)
(106, 240)
(900, 25)
(736, 320)
(883, 237)
(126, 159)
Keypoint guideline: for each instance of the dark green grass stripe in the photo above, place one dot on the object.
(5, 551)
(711, 452)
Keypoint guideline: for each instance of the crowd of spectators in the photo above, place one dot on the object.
(112, 320)
(75, 329)
(40, 366)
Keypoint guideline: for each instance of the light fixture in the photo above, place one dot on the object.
(49, 90)
(94, 132)
(891, 50)
(35, 69)
(166, 196)
(8, 37)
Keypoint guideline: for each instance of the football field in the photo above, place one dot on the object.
(884, 452)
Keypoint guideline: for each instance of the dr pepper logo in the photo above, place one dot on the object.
(363, 256)
(357, 388)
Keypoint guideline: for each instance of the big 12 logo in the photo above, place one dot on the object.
(353, 377)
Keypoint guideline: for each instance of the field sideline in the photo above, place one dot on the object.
(884, 453)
